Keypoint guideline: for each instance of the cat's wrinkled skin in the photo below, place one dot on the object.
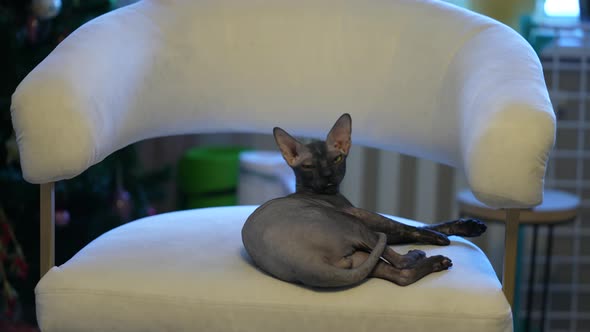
(318, 238)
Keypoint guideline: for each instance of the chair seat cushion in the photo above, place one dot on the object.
(188, 271)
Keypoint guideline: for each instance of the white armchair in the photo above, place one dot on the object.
(419, 77)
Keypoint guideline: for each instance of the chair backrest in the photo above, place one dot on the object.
(420, 77)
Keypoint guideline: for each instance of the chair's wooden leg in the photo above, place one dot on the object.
(47, 230)
(510, 254)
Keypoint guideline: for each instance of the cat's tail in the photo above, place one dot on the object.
(334, 276)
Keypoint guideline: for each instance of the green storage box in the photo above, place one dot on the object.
(208, 176)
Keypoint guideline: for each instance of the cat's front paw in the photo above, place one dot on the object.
(431, 236)
(468, 227)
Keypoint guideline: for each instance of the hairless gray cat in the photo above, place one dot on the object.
(316, 237)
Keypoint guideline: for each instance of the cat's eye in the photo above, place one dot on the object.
(338, 159)
(307, 166)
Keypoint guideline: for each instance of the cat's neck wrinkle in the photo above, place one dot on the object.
(300, 189)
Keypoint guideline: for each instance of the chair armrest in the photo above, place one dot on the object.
(96, 68)
(507, 121)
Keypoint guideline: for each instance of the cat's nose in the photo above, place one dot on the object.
(326, 172)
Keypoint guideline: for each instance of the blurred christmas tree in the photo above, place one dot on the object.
(109, 194)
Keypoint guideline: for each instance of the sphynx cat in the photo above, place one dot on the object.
(316, 237)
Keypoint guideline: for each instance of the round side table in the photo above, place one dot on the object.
(557, 207)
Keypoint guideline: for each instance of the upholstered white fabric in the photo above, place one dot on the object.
(188, 271)
(418, 76)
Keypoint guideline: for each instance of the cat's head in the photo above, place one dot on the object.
(319, 166)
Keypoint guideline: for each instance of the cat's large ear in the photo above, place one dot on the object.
(339, 135)
(293, 151)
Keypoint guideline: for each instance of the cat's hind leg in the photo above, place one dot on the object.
(405, 276)
(319, 271)
(403, 261)
(398, 260)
